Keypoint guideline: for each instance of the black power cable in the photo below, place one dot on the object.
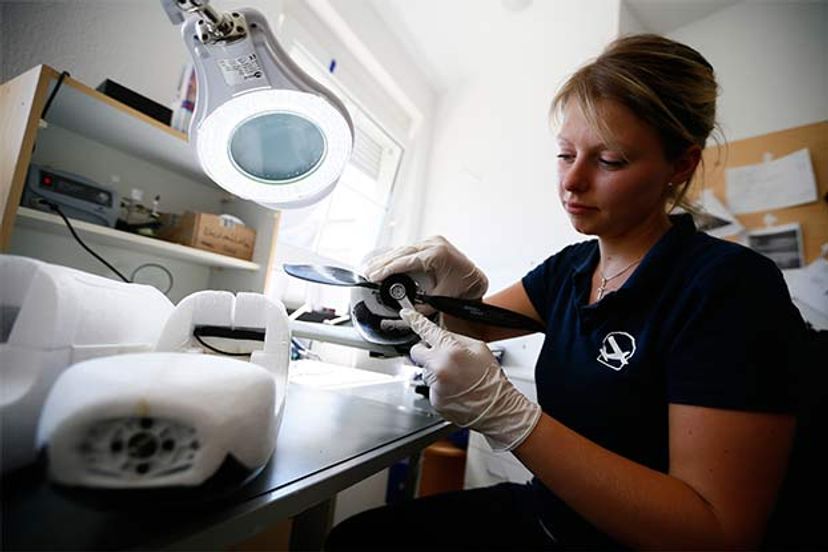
(251, 334)
(54, 207)
(217, 350)
(63, 75)
(48, 104)
(57, 210)
(167, 273)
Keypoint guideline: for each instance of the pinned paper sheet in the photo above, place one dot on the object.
(716, 220)
(810, 285)
(782, 244)
(783, 182)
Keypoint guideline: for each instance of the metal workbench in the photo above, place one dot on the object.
(328, 441)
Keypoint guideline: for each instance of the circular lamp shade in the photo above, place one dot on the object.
(280, 148)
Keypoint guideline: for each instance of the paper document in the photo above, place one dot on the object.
(716, 220)
(782, 244)
(783, 182)
(810, 285)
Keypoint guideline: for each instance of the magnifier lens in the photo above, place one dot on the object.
(277, 148)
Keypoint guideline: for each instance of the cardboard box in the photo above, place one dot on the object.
(211, 233)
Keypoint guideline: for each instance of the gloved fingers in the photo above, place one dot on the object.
(424, 309)
(379, 261)
(428, 331)
(421, 354)
(391, 325)
(470, 342)
(429, 378)
(406, 263)
(479, 349)
(486, 377)
(422, 256)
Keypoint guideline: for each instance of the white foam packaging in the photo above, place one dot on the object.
(172, 417)
(51, 317)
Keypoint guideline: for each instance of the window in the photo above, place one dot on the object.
(345, 227)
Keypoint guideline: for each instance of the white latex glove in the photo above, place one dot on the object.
(451, 272)
(467, 386)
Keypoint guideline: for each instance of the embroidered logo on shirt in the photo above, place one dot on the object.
(616, 350)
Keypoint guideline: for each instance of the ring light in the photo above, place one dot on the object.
(263, 129)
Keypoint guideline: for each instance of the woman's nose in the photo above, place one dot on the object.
(574, 177)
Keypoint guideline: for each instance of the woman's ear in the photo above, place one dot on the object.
(685, 165)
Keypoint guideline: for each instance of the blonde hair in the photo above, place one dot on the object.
(668, 85)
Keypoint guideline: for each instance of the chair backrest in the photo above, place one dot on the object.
(799, 520)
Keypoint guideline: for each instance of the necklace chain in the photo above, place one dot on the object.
(606, 279)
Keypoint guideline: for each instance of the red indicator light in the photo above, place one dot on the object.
(47, 180)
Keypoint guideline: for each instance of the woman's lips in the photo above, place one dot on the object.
(575, 208)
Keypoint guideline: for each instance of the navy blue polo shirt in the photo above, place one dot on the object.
(701, 321)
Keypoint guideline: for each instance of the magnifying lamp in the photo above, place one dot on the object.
(263, 129)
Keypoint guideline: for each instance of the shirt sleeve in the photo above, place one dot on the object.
(740, 342)
(536, 285)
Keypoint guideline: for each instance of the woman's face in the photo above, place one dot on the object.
(612, 190)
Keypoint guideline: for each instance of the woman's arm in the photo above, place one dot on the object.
(513, 298)
(726, 467)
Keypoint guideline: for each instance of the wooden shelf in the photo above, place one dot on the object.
(47, 222)
(85, 111)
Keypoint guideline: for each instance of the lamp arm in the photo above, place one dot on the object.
(213, 26)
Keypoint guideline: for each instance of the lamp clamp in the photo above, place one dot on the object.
(213, 26)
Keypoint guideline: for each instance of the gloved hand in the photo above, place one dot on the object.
(467, 386)
(451, 272)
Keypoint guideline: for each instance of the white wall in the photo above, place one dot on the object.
(93, 41)
(491, 187)
(2, 46)
(129, 41)
(628, 22)
(770, 58)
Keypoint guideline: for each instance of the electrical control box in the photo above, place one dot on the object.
(78, 197)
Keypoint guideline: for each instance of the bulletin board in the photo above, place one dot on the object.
(813, 217)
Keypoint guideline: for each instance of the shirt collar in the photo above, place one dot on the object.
(653, 266)
(647, 272)
(582, 274)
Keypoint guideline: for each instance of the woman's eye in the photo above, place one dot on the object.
(566, 157)
(612, 163)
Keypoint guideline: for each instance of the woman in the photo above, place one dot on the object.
(664, 382)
